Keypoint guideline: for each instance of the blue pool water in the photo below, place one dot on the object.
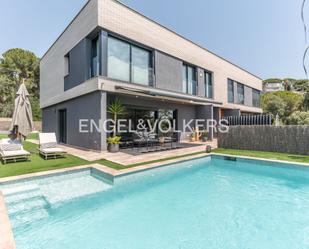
(203, 203)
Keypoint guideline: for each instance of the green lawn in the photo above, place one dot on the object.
(37, 163)
(265, 154)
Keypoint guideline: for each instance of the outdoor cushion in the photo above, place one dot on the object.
(48, 145)
(47, 138)
(10, 145)
(52, 150)
(15, 153)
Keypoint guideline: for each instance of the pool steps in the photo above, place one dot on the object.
(31, 201)
(19, 189)
(26, 206)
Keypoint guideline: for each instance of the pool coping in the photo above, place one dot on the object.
(262, 159)
(7, 238)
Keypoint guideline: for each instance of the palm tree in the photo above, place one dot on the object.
(116, 109)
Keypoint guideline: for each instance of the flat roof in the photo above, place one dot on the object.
(193, 43)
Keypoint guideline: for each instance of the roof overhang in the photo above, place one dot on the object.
(118, 87)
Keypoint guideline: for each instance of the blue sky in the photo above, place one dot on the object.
(263, 36)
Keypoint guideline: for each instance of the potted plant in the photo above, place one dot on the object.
(113, 143)
(204, 136)
(192, 137)
(116, 109)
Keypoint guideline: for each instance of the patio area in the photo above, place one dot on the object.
(128, 156)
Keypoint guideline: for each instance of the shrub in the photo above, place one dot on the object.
(299, 118)
(283, 103)
(114, 140)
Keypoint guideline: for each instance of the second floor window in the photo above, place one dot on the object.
(189, 84)
(230, 89)
(208, 85)
(118, 59)
(95, 65)
(240, 94)
(255, 98)
(140, 66)
(127, 62)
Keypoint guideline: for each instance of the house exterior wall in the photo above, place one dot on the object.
(79, 64)
(170, 50)
(84, 97)
(52, 64)
(90, 106)
(168, 72)
(120, 19)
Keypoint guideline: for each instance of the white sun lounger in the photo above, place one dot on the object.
(48, 146)
(12, 150)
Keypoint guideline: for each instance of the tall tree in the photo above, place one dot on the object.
(17, 66)
(283, 103)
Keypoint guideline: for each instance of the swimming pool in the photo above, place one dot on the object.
(203, 203)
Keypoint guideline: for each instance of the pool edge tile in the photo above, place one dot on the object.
(166, 163)
(6, 239)
(261, 159)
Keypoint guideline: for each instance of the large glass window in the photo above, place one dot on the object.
(240, 94)
(256, 98)
(208, 85)
(140, 65)
(118, 59)
(189, 80)
(230, 89)
(128, 62)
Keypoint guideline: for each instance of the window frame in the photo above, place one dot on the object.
(212, 84)
(259, 97)
(67, 65)
(243, 90)
(233, 92)
(186, 66)
(132, 44)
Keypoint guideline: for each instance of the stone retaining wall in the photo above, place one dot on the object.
(6, 122)
(287, 139)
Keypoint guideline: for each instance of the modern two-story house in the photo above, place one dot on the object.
(111, 51)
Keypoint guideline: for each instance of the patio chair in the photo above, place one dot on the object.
(146, 140)
(48, 147)
(12, 150)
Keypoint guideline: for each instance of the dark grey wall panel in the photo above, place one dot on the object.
(235, 92)
(231, 112)
(168, 72)
(200, 82)
(216, 113)
(84, 107)
(287, 139)
(103, 52)
(206, 112)
(248, 96)
(79, 64)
